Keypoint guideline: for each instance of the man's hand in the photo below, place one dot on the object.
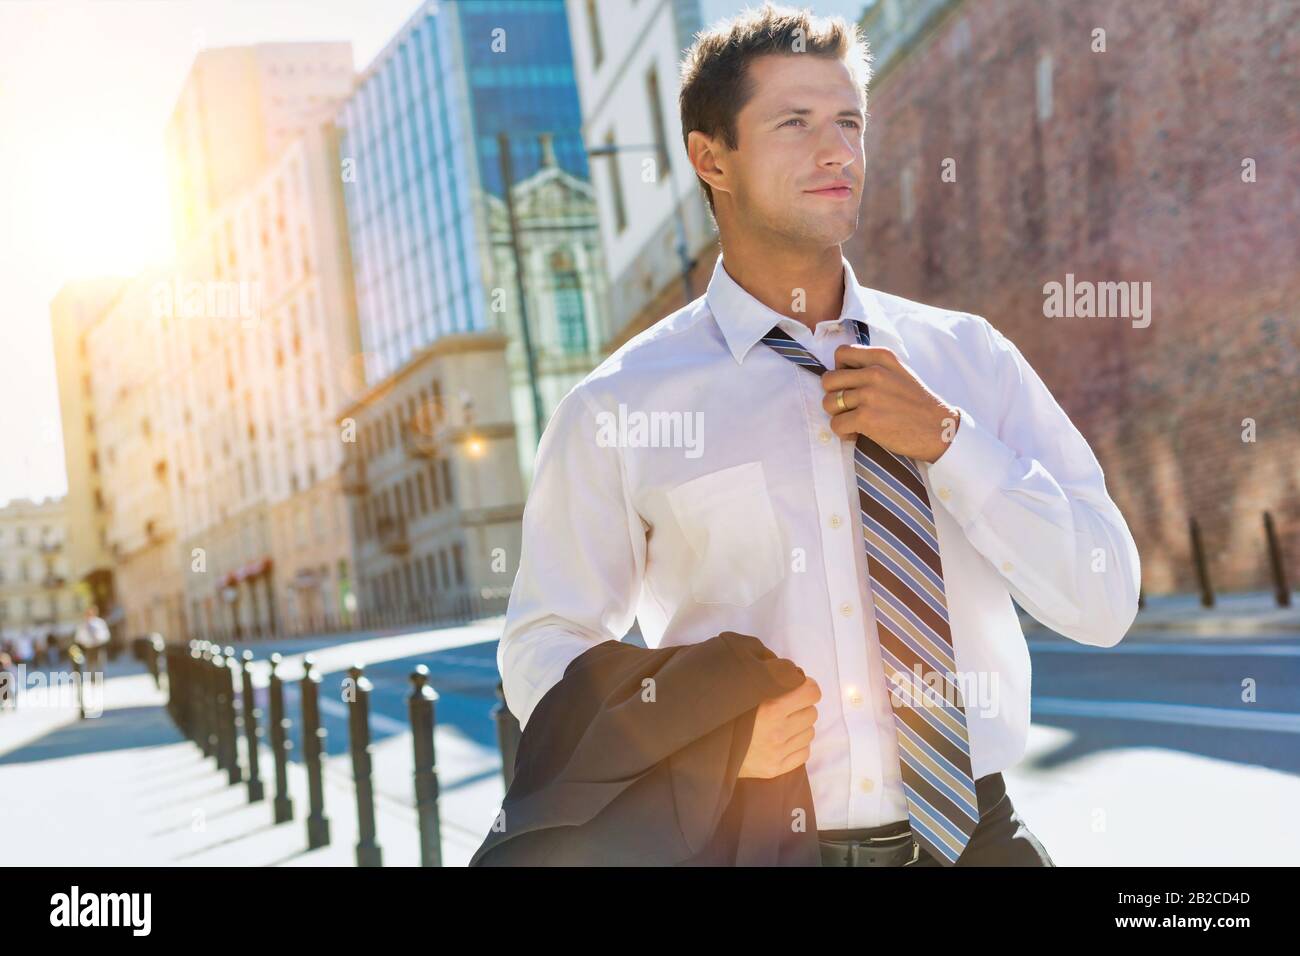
(783, 732)
(885, 401)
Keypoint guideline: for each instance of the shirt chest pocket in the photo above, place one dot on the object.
(727, 518)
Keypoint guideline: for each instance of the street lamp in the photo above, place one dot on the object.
(683, 253)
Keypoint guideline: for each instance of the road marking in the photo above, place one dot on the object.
(1184, 714)
(332, 658)
(1186, 650)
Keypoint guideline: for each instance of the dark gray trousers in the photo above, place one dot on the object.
(1000, 838)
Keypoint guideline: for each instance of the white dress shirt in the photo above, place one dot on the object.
(751, 524)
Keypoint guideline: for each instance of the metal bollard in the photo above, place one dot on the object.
(1202, 565)
(1281, 586)
(313, 746)
(154, 658)
(190, 693)
(508, 734)
(280, 744)
(231, 719)
(178, 685)
(422, 704)
(197, 698)
(368, 852)
(78, 660)
(216, 707)
(252, 733)
(171, 653)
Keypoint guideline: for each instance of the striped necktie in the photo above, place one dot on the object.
(911, 612)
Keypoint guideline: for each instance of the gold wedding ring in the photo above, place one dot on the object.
(839, 400)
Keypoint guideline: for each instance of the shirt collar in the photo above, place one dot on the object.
(744, 320)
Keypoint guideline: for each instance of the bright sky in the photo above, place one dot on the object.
(85, 91)
(86, 88)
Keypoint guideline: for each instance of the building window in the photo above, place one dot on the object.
(657, 118)
(616, 187)
(569, 314)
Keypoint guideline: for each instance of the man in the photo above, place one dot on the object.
(861, 481)
(92, 637)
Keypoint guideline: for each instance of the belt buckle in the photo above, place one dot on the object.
(881, 844)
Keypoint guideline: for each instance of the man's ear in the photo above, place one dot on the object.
(704, 153)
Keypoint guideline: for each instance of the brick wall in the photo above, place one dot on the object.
(1135, 176)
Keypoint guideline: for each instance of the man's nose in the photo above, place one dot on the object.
(835, 150)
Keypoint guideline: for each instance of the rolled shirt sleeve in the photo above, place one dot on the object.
(1031, 497)
(582, 558)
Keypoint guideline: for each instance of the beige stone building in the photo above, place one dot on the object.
(202, 396)
(37, 591)
(239, 109)
(73, 312)
(434, 479)
(260, 384)
(134, 429)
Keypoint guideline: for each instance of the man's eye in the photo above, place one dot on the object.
(852, 122)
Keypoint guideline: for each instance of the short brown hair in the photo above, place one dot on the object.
(715, 85)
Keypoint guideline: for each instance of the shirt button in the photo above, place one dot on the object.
(945, 493)
(855, 698)
(835, 521)
(1007, 566)
(846, 609)
(867, 784)
(824, 435)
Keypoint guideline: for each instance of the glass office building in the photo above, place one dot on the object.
(419, 147)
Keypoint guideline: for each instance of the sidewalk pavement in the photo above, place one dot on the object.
(126, 789)
(1178, 616)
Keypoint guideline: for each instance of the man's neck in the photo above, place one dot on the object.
(805, 286)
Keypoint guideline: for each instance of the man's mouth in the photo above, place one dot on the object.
(832, 192)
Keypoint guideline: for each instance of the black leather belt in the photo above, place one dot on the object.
(898, 849)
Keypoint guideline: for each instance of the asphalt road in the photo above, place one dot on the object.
(1147, 752)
